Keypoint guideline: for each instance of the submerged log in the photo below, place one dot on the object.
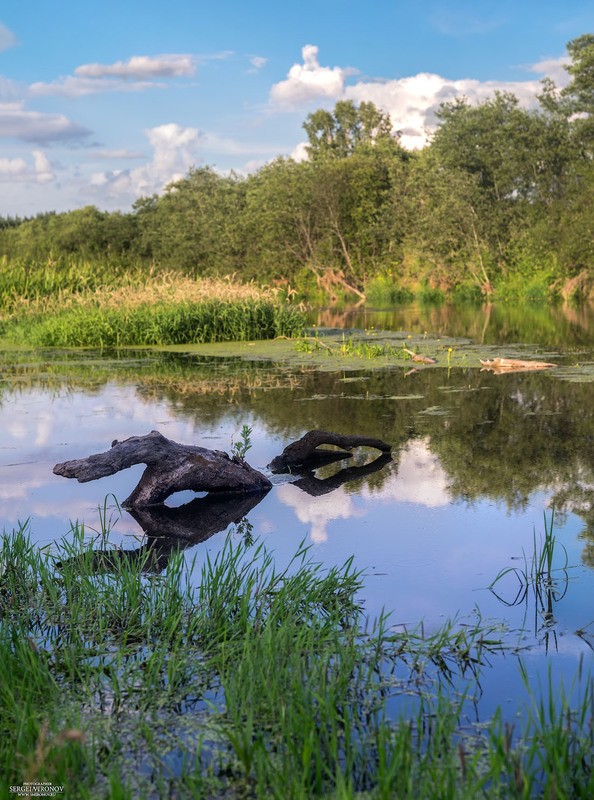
(304, 453)
(171, 467)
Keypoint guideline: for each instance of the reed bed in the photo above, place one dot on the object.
(259, 683)
(83, 304)
(174, 323)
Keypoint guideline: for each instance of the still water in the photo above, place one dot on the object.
(479, 463)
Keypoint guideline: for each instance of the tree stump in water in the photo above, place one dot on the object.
(171, 467)
(304, 453)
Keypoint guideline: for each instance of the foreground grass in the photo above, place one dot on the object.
(115, 682)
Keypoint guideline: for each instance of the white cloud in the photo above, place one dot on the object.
(299, 152)
(136, 74)
(34, 126)
(411, 102)
(553, 68)
(142, 67)
(7, 38)
(257, 63)
(175, 150)
(309, 81)
(118, 154)
(72, 86)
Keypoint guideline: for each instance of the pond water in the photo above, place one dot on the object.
(480, 463)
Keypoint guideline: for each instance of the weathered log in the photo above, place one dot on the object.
(317, 487)
(303, 454)
(171, 467)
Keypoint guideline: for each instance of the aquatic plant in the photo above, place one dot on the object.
(540, 580)
(241, 446)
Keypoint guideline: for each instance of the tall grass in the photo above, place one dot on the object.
(180, 323)
(69, 303)
(258, 683)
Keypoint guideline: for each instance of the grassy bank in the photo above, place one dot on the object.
(118, 682)
(82, 304)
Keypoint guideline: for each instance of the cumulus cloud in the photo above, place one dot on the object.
(411, 102)
(554, 68)
(309, 81)
(7, 38)
(142, 67)
(175, 150)
(33, 126)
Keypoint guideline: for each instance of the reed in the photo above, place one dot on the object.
(173, 323)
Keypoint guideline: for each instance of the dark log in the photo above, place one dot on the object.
(171, 467)
(316, 487)
(303, 454)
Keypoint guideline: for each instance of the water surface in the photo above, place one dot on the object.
(479, 462)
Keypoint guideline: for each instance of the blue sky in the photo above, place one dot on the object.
(102, 102)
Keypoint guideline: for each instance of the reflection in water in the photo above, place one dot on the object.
(169, 530)
(553, 325)
(540, 585)
(434, 525)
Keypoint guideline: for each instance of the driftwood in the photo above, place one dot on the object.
(317, 487)
(171, 467)
(305, 455)
(499, 365)
(421, 359)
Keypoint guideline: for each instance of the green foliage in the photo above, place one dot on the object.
(180, 323)
(384, 291)
(240, 448)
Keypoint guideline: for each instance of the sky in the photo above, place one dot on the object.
(104, 102)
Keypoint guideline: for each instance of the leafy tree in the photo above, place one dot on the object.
(347, 129)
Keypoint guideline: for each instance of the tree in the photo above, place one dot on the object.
(348, 129)
(195, 224)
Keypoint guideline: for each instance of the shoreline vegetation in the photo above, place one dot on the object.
(259, 682)
(70, 303)
(498, 205)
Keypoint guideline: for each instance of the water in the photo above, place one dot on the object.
(479, 463)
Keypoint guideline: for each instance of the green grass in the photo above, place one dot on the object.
(174, 323)
(69, 303)
(257, 683)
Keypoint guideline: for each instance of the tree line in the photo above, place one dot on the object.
(500, 196)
